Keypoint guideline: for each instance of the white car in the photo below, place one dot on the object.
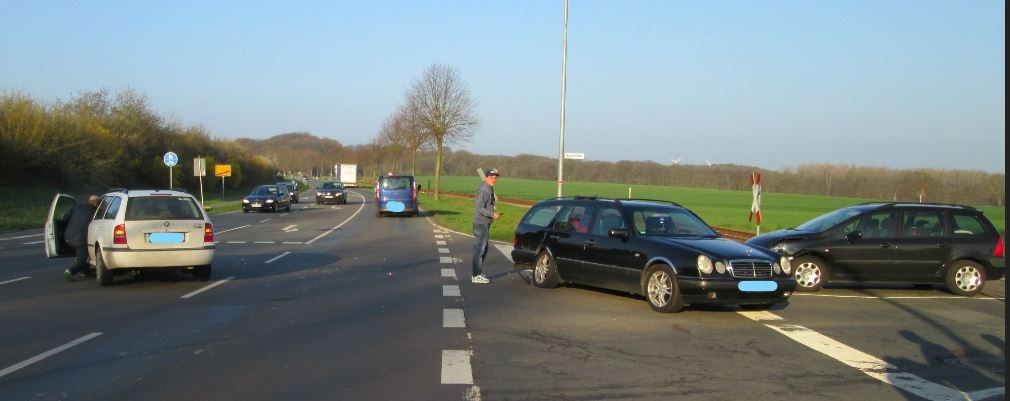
(139, 230)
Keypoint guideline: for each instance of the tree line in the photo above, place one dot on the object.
(101, 140)
(108, 140)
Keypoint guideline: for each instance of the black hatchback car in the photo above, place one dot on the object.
(657, 249)
(919, 243)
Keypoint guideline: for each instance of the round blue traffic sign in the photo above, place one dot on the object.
(171, 159)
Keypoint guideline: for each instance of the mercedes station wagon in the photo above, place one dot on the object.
(656, 249)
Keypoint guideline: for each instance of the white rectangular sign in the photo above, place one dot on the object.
(576, 156)
(199, 167)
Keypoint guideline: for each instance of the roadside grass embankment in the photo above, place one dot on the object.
(26, 208)
(719, 208)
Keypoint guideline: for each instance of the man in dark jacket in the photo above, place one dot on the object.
(76, 234)
(483, 215)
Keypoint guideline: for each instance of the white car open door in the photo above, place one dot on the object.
(55, 246)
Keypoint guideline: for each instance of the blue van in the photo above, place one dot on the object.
(396, 194)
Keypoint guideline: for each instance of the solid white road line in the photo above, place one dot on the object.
(866, 363)
(20, 237)
(215, 284)
(14, 368)
(450, 290)
(505, 250)
(456, 367)
(453, 318)
(14, 280)
(231, 229)
(344, 222)
(982, 298)
(445, 273)
(277, 257)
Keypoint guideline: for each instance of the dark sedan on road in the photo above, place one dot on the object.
(657, 249)
(331, 192)
(267, 198)
(918, 243)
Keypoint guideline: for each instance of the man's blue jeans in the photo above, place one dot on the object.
(480, 233)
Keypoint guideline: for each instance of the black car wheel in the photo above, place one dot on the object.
(965, 278)
(810, 272)
(201, 273)
(662, 290)
(102, 273)
(545, 272)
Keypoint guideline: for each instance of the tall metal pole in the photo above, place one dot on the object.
(564, 70)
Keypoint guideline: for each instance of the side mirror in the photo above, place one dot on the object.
(853, 236)
(619, 233)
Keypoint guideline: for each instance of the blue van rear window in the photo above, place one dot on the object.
(396, 183)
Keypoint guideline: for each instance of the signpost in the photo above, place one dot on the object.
(222, 170)
(170, 159)
(200, 170)
(755, 206)
(575, 156)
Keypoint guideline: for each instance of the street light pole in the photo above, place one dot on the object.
(564, 69)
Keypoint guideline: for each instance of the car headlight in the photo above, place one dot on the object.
(776, 268)
(245, 200)
(720, 267)
(787, 266)
(270, 201)
(704, 264)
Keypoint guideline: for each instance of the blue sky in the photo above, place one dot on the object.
(774, 84)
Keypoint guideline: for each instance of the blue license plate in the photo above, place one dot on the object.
(395, 207)
(757, 286)
(166, 238)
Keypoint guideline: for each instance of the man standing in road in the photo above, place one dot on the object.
(76, 235)
(483, 216)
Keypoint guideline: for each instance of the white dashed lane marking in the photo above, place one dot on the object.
(215, 284)
(443, 250)
(445, 273)
(445, 259)
(450, 290)
(441, 243)
(456, 367)
(27, 362)
(277, 257)
(453, 318)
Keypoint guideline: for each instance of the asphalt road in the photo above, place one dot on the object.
(332, 303)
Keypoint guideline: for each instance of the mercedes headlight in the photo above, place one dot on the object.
(270, 201)
(787, 266)
(720, 267)
(704, 264)
(245, 200)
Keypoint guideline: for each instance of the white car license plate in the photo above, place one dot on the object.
(166, 238)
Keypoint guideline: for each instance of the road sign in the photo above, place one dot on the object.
(170, 159)
(575, 156)
(199, 167)
(222, 170)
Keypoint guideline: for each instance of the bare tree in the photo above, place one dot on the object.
(413, 134)
(443, 110)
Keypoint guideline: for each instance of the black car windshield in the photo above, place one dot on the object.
(826, 221)
(669, 221)
(331, 185)
(265, 190)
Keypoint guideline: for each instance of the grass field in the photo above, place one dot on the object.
(720, 208)
(26, 208)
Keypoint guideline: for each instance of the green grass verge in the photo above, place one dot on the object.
(26, 208)
(457, 214)
(720, 208)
